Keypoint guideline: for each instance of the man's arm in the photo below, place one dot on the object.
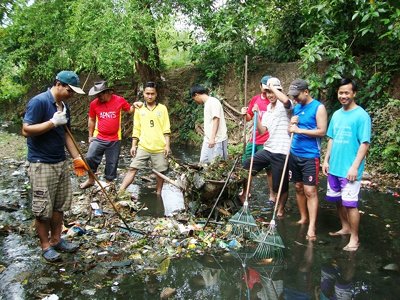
(36, 129)
(167, 149)
(136, 104)
(69, 144)
(260, 128)
(281, 96)
(361, 153)
(91, 126)
(211, 142)
(325, 165)
(320, 131)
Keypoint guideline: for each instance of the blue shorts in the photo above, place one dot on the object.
(344, 191)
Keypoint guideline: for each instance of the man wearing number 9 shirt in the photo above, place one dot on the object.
(150, 137)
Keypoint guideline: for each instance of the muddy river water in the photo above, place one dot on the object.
(309, 270)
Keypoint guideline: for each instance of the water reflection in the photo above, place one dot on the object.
(337, 278)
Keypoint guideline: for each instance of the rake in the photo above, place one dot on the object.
(270, 243)
(97, 180)
(243, 223)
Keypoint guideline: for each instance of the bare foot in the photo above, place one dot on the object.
(281, 213)
(302, 221)
(88, 183)
(311, 238)
(351, 247)
(339, 232)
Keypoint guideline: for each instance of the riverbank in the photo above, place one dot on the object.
(14, 146)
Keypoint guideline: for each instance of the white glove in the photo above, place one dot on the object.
(60, 117)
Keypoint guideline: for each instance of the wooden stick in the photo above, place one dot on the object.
(222, 190)
(95, 177)
(166, 178)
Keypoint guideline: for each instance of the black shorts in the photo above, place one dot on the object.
(304, 170)
(264, 159)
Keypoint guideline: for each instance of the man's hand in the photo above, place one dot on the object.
(59, 118)
(352, 174)
(80, 167)
(137, 104)
(211, 143)
(325, 168)
(243, 110)
(293, 128)
(293, 124)
(167, 151)
(133, 151)
(91, 139)
(256, 108)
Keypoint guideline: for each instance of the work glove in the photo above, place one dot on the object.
(60, 117)
(80, 167)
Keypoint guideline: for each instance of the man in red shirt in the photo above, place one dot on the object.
(262, 102)
(104, 126)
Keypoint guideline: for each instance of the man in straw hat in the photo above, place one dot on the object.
(104, 126)
(44, 127)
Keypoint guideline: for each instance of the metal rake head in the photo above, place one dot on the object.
(270, 245)
(245, 225)
(137, 234)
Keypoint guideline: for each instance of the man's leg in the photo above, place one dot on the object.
(301, 203)
(159, 184)
(272, 195)
(128, 179)
(353, 216)
(282, 202)
(312, 205)
(42, 229)
(261, 160)
(56, 223)
(342, 213)
(93, 158)
(112, 156)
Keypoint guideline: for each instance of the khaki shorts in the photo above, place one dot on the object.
(158, 160)
(51, 188)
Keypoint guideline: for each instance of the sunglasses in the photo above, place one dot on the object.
(69, 90)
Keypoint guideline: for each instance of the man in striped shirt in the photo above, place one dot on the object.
(276, 121)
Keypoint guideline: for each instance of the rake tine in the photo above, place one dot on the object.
(271, 238)
(243, 222)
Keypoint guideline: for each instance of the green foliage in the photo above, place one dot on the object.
(174, 46)
(186, 115)
(385, 146)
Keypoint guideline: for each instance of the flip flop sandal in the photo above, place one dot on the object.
(65, 246)
(51, 255)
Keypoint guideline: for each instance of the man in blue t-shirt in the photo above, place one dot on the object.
(349, 134)
(44, 127)
(308, 126)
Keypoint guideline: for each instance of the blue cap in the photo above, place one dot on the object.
(264, 81)
(70, 78)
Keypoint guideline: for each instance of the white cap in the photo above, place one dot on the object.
(275, 82)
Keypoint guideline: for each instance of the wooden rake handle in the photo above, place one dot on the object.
(282, 177)
(95, 177)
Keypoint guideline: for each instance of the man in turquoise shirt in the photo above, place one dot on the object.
(349, 134)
